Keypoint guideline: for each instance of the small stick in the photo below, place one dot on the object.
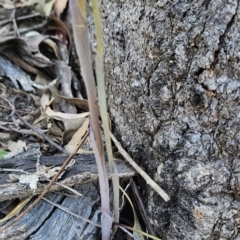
(13, 112)
(73, 214)
(13, 170)
(4, 21)
(149, 181)
(2, 106)
(14, 23)
(48, 186)
(23, 131)
(142, 208)
(68, 188)
(27, 29)
(42, 134)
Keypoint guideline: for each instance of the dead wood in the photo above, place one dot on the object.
(83, 171)
(45, 221)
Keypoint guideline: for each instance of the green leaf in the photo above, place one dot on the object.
(2, 153)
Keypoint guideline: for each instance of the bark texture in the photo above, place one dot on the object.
(45, 221)
(173, 76)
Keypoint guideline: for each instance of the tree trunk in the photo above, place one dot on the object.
(172, 70)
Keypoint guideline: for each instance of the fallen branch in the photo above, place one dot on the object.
(83, 171)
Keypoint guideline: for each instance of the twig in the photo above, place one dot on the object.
(141, 208)
(15, 27)
(48, 186)
(27, 29)
(136, 230)
(42, 134)
(7, 20)
(13, 112)
(22, 131)
(74, 214)
(13, 170)
(149, 181)
(68, 188)
(2, 106)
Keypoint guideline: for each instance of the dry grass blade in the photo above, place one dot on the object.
(122, 226)
(149, 181)
(16, 210)
(70, 147)
(80, 32)
(103, 106)
(136, 222)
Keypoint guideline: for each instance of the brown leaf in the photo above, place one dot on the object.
(81, 103)
(28, 49)
(14, 146)
(59, 6)
(70, 121)
(64, 75)
(71, 146)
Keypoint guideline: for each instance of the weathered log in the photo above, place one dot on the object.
(45, 221)
(83, 171)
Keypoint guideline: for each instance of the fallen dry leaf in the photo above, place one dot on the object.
(54, 129)
(59, 6)
(70, 121)
(71, 146)
(15, 146)
(67, 135)
(30, 180)
(43, 173)
(45, 7)
(81, 103)
(63, 32)
(28, 49)
(64, 75)
(52, 45)
(43, 81)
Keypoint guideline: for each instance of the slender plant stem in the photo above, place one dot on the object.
(103, 106)
(80, 32)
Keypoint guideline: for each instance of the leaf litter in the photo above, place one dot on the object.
(34, 66)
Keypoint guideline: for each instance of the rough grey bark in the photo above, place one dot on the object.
(173, 83)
